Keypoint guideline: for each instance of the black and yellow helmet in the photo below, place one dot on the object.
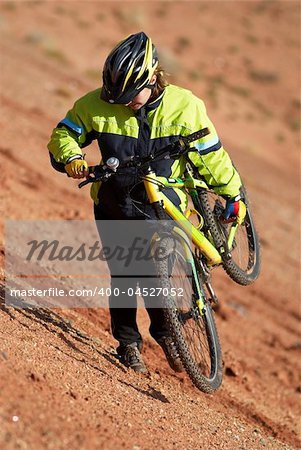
(129, 68)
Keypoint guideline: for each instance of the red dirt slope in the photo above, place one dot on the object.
(60, 384)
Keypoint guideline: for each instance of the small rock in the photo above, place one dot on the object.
(4, 355)
(295, 346)
(72, 394)
(230, 372)
(34, 377)
(238, 307)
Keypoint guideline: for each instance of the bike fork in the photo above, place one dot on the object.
(207, 280)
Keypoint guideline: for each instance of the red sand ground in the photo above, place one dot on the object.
(60, 386)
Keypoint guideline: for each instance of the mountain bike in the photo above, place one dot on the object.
(191, 251)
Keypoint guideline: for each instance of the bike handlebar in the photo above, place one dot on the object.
(174, 150)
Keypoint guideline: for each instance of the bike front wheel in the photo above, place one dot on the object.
(192, 327)
(242, 260)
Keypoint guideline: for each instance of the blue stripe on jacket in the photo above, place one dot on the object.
(71, 126)
(209, 146)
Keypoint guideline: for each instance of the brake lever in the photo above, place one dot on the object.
(98, 174)
(84, 183)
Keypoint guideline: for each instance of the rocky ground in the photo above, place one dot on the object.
(60, 384)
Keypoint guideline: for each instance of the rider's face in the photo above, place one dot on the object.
(142, 98)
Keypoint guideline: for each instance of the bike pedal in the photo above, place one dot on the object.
(212, 297)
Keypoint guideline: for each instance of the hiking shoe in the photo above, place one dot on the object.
(131, 357)
(171, 353)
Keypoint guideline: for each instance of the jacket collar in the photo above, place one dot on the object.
(155, 103)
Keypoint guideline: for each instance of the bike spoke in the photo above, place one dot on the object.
(194, 331)
(243, 258)
(192, 321)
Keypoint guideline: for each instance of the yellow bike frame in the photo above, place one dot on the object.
(152, 185)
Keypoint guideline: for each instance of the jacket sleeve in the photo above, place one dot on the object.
(69, 136)
(211, 159)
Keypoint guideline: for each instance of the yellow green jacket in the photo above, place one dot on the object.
(122, 133)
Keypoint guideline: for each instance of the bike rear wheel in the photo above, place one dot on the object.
(193, 330)
(243, 264)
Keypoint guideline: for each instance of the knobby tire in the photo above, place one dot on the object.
(205, 370)
(242, 272)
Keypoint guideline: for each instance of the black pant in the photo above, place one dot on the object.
(123, 319)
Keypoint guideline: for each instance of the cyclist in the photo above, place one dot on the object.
(135, 112)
